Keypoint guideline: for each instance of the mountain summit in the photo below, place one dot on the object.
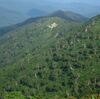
(68, 15)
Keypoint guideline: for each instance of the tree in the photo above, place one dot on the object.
(14, 95)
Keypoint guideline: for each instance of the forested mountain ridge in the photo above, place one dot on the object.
(51, 58)
(69, 16)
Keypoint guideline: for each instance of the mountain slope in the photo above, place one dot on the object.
(38, 29)
(69, 16)
(51, 58)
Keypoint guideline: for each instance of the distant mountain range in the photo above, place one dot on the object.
(37, 13)
(84, 9)
(24, 10)
(81, 8)
(9, 17)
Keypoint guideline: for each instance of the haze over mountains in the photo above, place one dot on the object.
(32, 8)
(9, 17)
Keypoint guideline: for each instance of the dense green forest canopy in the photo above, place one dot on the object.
(51, 58)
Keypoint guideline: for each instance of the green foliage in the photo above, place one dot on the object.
(51, 63)
(14, 95)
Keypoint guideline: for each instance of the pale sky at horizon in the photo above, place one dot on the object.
(95, 2)
(23, 6)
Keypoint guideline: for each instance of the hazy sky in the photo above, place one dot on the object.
(24, 6)
(95, 2)
(28, 4)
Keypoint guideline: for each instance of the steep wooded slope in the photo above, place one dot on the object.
(51, 58)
